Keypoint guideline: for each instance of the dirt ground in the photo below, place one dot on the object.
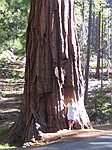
(9, 108)
(79, 134)
(69, 136)
(11, 90)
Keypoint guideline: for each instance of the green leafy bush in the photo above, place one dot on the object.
(100, 107)
(14, 16)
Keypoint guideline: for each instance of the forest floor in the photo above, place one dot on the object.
(11, 91)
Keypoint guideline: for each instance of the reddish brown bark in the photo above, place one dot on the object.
(53, 70)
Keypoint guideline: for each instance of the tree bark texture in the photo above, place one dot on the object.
(53, 70)
(88, 53)
(98, 44)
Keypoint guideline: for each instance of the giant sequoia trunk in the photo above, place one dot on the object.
(53, 70)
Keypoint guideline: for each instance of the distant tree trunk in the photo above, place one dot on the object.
(102, 51)
(93, 26)
(98, 43)
(53, 70)
(83, 41)
(88, 53)
(108, 42)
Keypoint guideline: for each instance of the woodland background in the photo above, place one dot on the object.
(94, 29)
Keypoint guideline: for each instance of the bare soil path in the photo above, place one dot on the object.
(61, 139)
(66, 135)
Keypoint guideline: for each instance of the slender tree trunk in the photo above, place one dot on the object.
(83, 41)
(93, 26)
(98, 43)
(102, 51)
(108, 43)
(88, 54)
(53, 70)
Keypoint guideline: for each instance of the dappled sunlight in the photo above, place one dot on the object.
(82, 133)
